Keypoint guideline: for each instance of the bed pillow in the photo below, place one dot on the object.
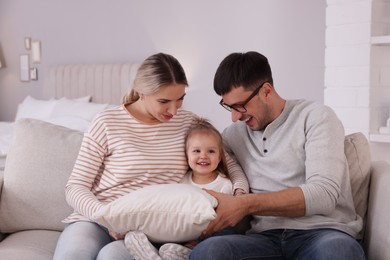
(42, 109)
(84, 99)
(35, 108)
(84, 110)
(71, 122)
(164, 212)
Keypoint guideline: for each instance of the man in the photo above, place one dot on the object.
(292, 152)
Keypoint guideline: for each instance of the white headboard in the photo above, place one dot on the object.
(106, 83)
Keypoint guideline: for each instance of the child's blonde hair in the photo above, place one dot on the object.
(203, 125)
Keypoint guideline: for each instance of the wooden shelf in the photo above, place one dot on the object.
(380, 138)
(380, 40)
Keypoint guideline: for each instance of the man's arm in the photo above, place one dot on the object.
(231, 209)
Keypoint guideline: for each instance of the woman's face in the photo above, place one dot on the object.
(162, 105)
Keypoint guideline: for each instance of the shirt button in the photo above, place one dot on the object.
(265, 150)
(264, 138)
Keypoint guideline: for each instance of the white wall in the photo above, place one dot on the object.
(199, 33)
(357, 85)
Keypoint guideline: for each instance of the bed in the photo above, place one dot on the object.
(72, 96)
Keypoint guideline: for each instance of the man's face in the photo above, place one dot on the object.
(257, 115)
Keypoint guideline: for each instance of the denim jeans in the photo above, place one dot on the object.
(318, 244)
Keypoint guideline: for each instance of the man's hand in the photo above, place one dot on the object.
(230, 210)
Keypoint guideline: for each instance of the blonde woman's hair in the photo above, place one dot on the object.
(203, 125)
(156, 71)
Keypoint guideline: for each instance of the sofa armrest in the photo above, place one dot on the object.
(377, 240)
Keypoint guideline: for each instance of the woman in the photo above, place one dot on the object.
(128, 147)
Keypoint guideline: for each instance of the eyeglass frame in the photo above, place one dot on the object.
(241, 107)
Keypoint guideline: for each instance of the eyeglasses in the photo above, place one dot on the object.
(241, 107)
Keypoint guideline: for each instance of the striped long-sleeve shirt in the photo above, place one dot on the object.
(119, 154)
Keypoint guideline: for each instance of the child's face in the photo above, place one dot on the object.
(203, 153)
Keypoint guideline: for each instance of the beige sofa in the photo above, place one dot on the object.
(32, 202)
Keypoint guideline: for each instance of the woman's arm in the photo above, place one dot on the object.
(237, 176)
(87, 169)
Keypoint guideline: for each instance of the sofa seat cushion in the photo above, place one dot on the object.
(32, 244)
(39, 162)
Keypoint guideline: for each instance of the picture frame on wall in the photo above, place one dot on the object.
(24, 67)
(33, 74)
(27, 43)
(36, 51)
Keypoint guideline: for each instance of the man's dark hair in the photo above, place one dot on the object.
(248, 69)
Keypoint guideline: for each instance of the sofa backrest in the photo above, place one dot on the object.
(42, 156)
(39, 162)
(357, 151)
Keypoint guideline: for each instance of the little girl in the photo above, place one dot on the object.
(208, 170)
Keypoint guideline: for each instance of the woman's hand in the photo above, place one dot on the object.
(116, 235)
(230, 210)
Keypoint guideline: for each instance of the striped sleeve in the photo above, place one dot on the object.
(237, 175)
(87, 168)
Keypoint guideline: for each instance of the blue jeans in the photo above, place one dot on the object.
(319, 244)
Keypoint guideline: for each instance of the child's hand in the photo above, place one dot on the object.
(239, 192)
(116, 235)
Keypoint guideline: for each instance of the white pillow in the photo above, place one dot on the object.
(68, 107)
(81, 99)
(164, 212)
(71, 122)
(35, 108)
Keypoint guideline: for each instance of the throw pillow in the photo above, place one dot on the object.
(39, 162)
(164, 212)
(357, 151)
